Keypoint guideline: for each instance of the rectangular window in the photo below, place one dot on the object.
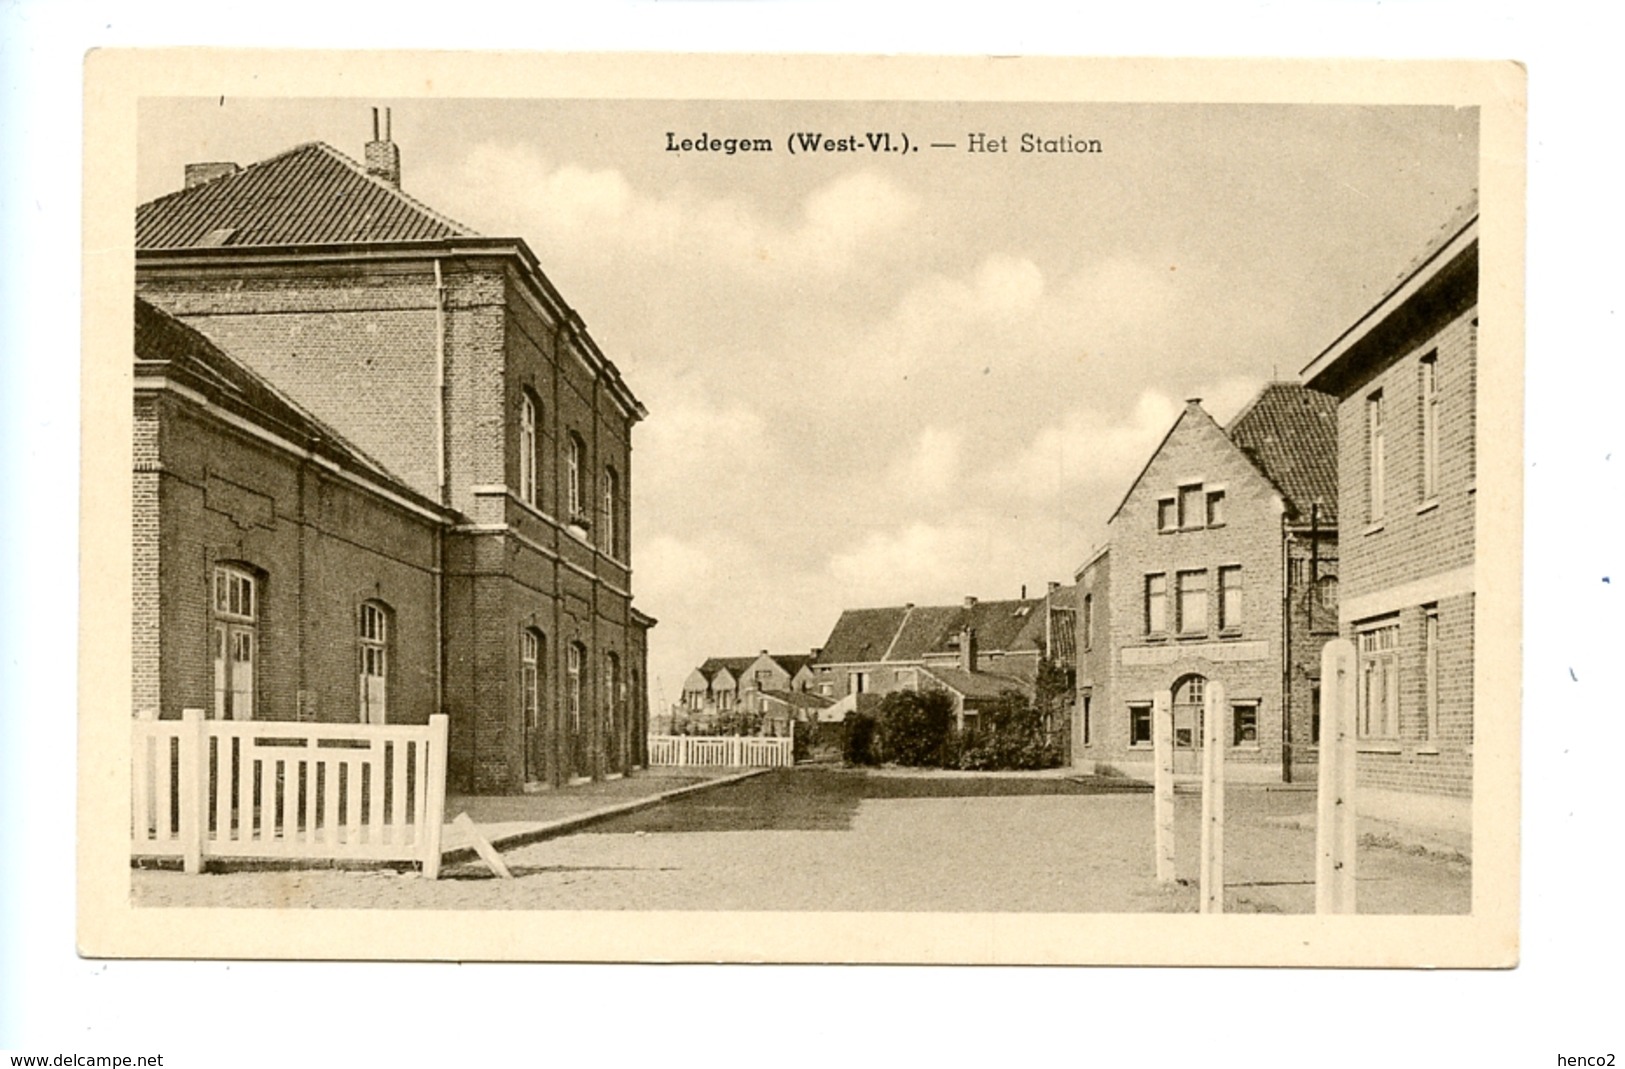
(1377, 704)
(1376, 456)
(1190, 506)
(1139, 725)
(1314, 712)
(1215, 508)
(1156, 604)
(1230, 602)
(1430, 426)
(1244, 724)
(1088, 621)
(858, 682)
(1430, 653)
(1192, 602)
(1086, 726)
(1167, 515)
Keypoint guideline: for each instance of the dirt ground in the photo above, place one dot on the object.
(840, 840)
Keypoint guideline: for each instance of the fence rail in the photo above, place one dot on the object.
(720, 751)
(262, 789)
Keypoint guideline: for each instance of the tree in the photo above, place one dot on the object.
(914, 725)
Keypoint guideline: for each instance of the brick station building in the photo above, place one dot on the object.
(382, 471)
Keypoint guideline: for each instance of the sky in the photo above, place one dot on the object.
(877, 378)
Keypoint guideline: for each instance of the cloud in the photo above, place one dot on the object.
(1093, 446)
(597, 218)
(906, 564)
(930, 468)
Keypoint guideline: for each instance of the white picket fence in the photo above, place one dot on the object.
(720, 751)
(268, 789)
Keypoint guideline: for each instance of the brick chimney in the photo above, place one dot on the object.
(967, 649)
(970, 601)
(383, 155)
(199, 173)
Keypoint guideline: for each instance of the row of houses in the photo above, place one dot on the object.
(1343, 504)
(381, 470)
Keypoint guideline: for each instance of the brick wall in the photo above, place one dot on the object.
(1246, 659)
(1420, 553)
(318, 546)
(146, 683)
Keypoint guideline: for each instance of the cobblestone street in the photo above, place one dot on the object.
(830, 839)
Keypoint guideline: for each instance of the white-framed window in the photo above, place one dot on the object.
(1244, 724)
(1192, 602)
(235, 606)
(1190, 506)
(1430, 662)
(1139, 724)
(1156, 603)
(612, 526)
(1230, 598)
(1430, 426)
(531, 651)
(373, 668)
(1376, 456)
(1377, 703)
(572, 668)
(1167, 514)
(528, 422)
(575, 453)
(1215, 508)
(857, 682)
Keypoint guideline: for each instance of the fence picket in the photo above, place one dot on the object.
(720, 751)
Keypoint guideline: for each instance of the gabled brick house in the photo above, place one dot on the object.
(1220, 564)
(727, 684)
(451, 362)
(1405, 376)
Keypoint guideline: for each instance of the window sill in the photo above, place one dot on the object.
(1427, 751)
(1427, 506)
(1379, 747)
(1140, 746)
(1156, 636)
(1192, 636)
(1230, 632)
(1245, 747)
(1373, 528)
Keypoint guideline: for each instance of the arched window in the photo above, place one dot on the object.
(612, 527)
(572, 471)
(236, 614)
(374, 658)
(532, 654)
(529, 422)
(1190, 692)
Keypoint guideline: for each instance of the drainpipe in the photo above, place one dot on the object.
(440, 480)
(1286, 651)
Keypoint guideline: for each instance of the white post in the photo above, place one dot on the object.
(1213, 744)
(193, 774)
(435, 812)
(1162, 750)
(1335, 828)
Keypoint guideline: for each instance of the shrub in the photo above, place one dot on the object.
(1011, 736)
(859, 748)
(914, 725)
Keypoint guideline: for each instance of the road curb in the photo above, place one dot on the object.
(566, 825)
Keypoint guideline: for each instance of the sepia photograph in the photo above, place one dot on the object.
(872, 524)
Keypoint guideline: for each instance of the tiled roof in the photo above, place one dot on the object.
(908, 633)
(736, 666)
(978, 684)
(861, 635)
(166, 346)
(800, 699)
(792, 662)
(310, 195)
(1290, 432)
